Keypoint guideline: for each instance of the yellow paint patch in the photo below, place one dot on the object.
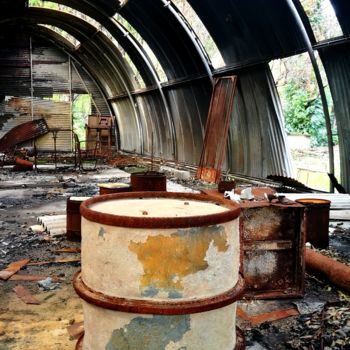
(166, 260)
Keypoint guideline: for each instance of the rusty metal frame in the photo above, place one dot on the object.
(163, 307)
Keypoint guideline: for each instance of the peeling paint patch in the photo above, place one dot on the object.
(101, 233)
(166, 260)
(149, 333)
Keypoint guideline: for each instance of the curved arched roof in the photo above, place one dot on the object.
(248, 35)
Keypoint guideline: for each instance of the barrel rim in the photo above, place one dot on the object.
(140, 306)
(158, 222)
(313, 202)
(148, 174)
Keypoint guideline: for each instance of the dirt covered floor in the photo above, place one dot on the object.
(320, 321)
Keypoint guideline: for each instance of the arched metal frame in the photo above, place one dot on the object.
(247, 34)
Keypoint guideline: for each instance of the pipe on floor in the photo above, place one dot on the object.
(333, 270)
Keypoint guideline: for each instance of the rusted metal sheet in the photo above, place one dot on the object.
(216, 129)
(24, 294)
(266, 317)
(24, 132)
(12, 269)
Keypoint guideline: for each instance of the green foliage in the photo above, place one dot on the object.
(304, 113)
(81, 109)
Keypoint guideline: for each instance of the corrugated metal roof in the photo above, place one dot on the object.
(166, 37)
(247, 33)
(251, 31)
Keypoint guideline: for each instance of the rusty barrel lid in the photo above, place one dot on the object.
(228, 211)
(314, 202)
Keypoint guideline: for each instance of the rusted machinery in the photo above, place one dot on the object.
(160, 269)
(273, 247)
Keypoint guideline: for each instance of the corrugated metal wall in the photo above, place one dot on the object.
(257, 144)
(336, 62)
(27, 62)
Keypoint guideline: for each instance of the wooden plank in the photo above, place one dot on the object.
(12, 269)
(25, 295)
(58, 261)
(31, 278)
(68, 250)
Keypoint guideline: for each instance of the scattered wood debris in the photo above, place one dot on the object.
(12, 269)
(24, 294)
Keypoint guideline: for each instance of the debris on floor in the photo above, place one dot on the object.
(30, 254)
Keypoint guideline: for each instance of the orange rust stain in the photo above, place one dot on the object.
(167, 259)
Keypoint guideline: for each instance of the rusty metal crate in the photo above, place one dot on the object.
(272, 254)
(273, 249)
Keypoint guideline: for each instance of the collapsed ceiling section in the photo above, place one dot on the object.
(155, 76)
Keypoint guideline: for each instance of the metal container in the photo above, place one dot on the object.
(113, 187)
(316, 221)
(148, 181)
(273, 249)
(159, 270)
(74, 218)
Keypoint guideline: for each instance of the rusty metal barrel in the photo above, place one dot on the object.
(74, 218)
(316, 221)
(148, 181)
(159, 270)
(113, 187)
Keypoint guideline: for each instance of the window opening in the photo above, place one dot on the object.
(323, 19)
(66, 9)
(304, 119)
(154, 60)
(81, 109)
(75, 42)
(201, 31)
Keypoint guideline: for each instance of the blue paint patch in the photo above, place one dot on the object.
(150, 333)
(174, 294)
(213, 230)
(150, 292)
(101, 233)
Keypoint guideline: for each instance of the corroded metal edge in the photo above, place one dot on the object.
(314, 202)
(240, 339)
(157, 307)
(79, 345)
(106, 190)
(158, 222)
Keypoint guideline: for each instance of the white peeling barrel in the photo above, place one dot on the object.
(159, 271)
